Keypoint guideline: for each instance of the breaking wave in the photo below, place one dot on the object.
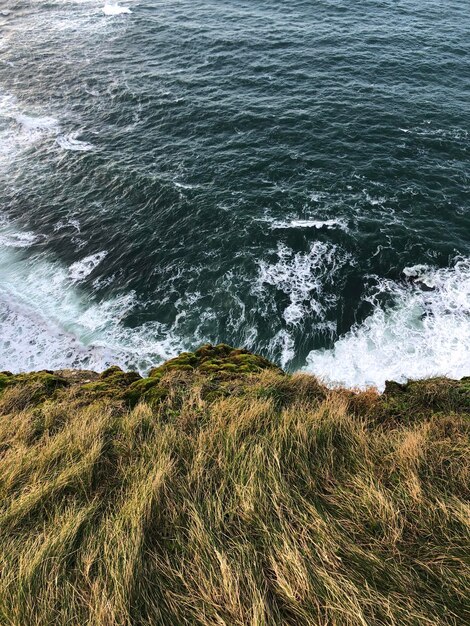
(48, 322)
(426, 332)
(115, 9)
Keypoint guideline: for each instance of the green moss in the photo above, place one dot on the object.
(185, 361)
(35, 387)
(155, 394)
(221, 362)
(419, 397)
(156, 372)
(5, 378)
(148, 389)
(214, 359)
(204, 351)
(47, 379)
(178, 366)
(210, 366)
(246, 369)
(112, 382)
(111, 371)
(99, 387)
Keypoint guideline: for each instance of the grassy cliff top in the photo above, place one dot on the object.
(221, 491)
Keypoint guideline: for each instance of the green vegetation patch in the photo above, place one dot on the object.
(221, 368)
(30, 388)
(112, 382)
(146, 389)
(419, 397)
(217, 359)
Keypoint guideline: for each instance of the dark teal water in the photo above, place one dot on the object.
(290, 177)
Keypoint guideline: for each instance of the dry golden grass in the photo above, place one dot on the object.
(276, 503)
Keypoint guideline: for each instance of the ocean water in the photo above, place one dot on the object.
(291, 177)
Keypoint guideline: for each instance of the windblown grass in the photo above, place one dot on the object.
(243, 499)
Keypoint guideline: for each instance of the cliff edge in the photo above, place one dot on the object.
(221, 490)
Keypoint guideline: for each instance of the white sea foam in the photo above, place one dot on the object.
(306, 280)
(374, 201)
(415, 271)
(32, 124)
(68, 223)
(185, 185)
(425, 333)
(33, 129)
(283, 343)
(17, 240)
(70, 142)
(302, 276)
(452, 133)
(22, 127)
(318, 224)
(46, 321)
(81, 269)
(19, 130)
(115, 9)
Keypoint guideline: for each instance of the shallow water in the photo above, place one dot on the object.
(293, 179)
